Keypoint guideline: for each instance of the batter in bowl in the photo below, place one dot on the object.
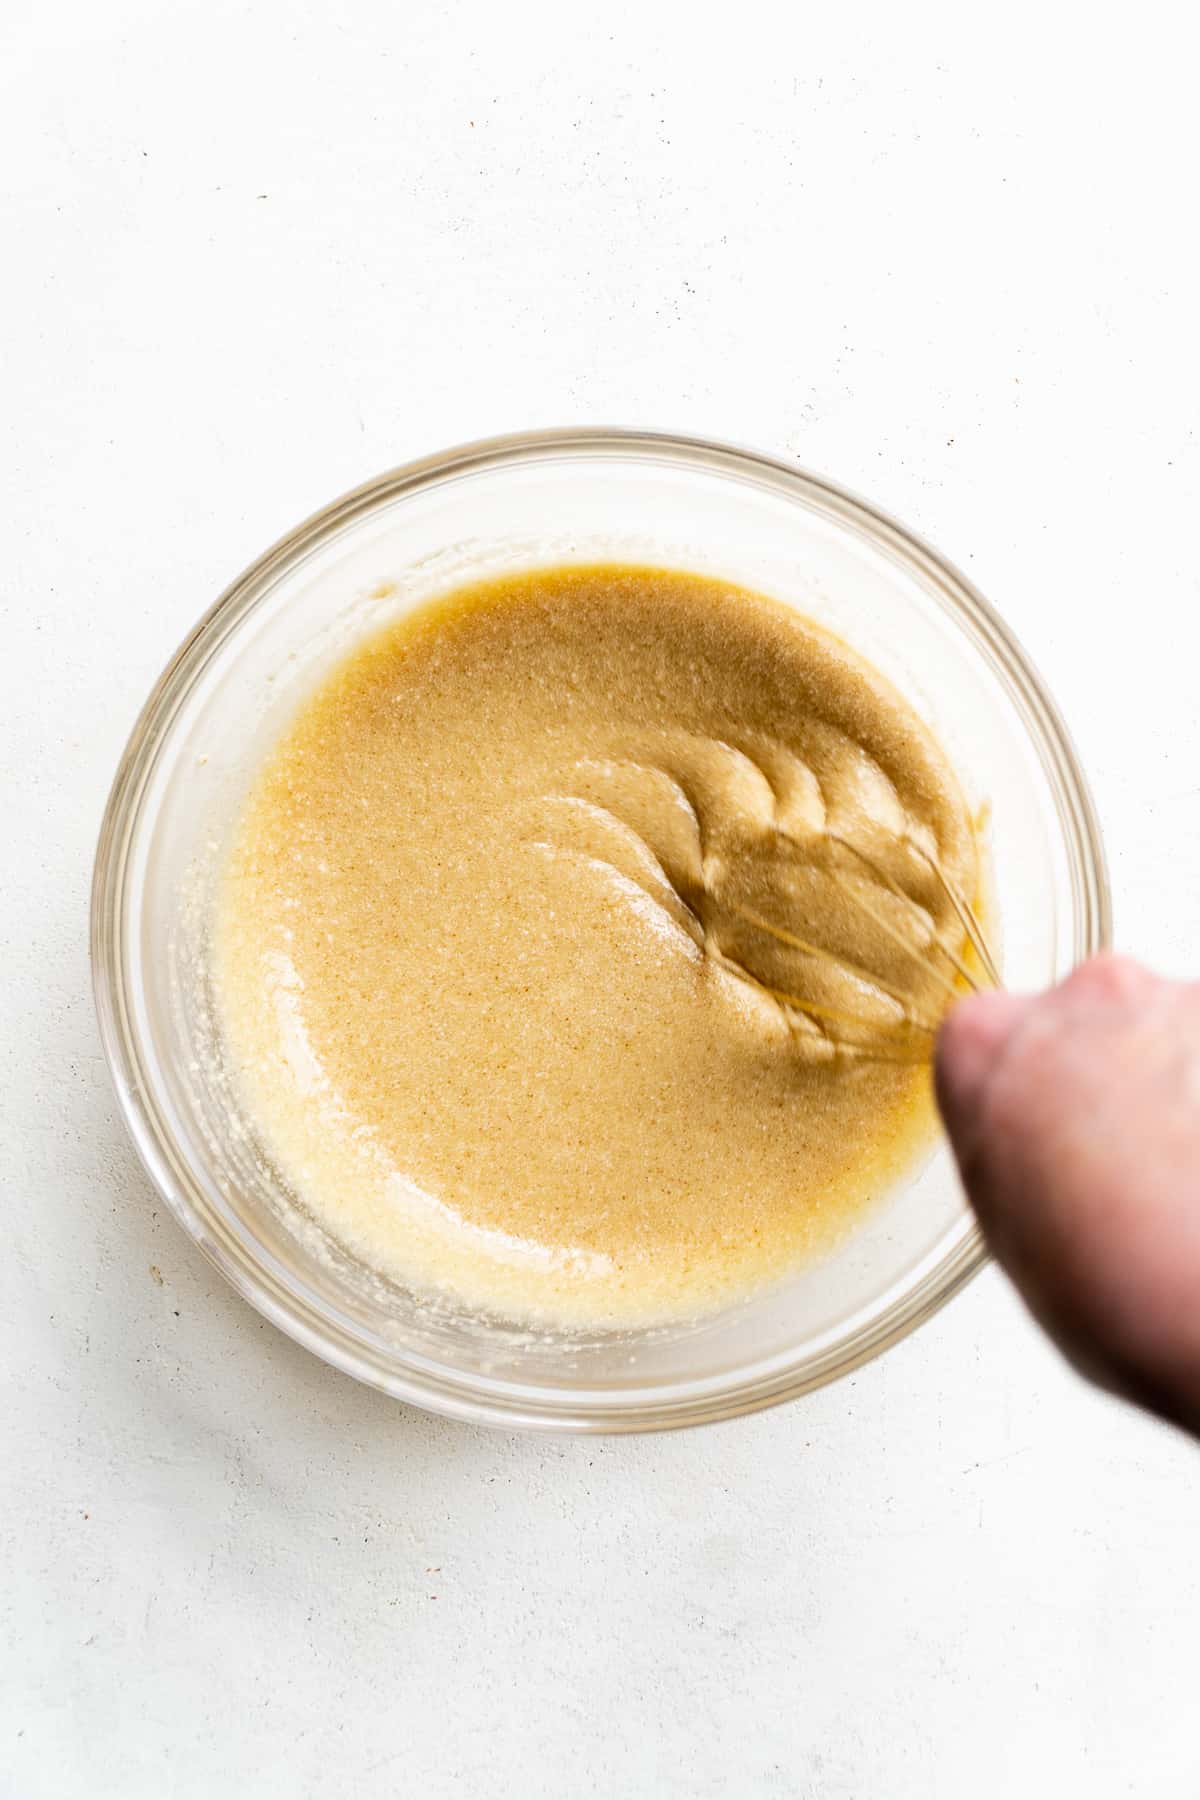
(493, 949)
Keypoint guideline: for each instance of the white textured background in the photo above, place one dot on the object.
(255, 253)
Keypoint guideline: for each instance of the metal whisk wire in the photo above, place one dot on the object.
(908, 1040)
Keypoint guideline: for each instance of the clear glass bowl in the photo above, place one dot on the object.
(546, 498)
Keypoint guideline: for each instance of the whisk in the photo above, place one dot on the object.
(939, 968)
(819, 913)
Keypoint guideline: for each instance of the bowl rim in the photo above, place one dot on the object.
(284, 1300)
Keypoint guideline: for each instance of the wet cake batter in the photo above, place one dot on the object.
(491, 950)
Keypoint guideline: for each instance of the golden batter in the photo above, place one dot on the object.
(492, 953)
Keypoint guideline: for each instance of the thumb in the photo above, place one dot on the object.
(973, 1040)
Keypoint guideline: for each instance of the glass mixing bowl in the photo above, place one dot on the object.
(555, 497)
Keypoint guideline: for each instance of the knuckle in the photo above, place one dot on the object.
(1109, 976)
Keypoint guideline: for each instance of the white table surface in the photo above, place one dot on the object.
(257, 253)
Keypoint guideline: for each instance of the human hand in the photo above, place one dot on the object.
(1075, 1119)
